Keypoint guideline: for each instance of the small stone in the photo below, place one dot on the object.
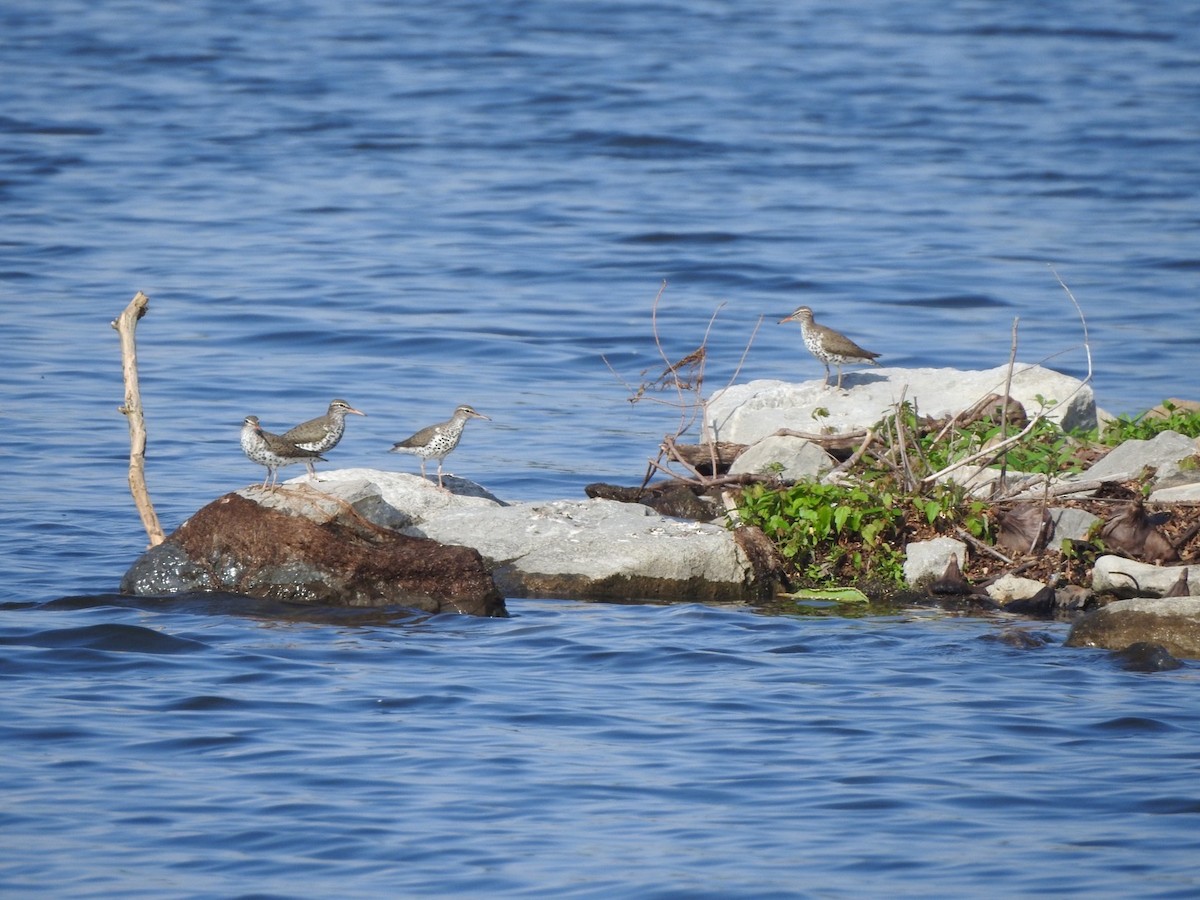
(926, 560)
(791, 458)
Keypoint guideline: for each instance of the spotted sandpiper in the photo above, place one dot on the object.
(827, 345)
(271, 450)
(322, 433)
(436, 441)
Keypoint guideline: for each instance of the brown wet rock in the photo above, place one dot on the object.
(338, 558)
(1173, 622)
(1145, 656)
(670, 498)
(1020, 639)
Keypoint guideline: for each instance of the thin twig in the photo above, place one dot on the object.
(1012, 362)
(673, 452)
(902, 441)
(745, 352)
(1087, 347)
(854, 457)
(841, 439)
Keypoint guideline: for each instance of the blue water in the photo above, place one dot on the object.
(423, 204)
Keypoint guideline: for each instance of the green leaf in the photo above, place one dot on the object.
(835, 595)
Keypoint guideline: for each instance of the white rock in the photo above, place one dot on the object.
(927, 560)
(415, 496)
(1129, 578)
(1129, 458)
(798, 459)
(745, 413)
(1007, 588)
(593, 539)
(565, 543)
(1184, 493)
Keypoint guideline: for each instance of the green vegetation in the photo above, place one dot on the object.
(1144, 426)
(854, 532)
(1045, 450)
(835, 535)
(832, 534)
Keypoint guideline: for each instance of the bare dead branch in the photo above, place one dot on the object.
(125, 325)
(981, 546)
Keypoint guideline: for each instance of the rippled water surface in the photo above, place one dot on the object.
(587, 751)
(415, 205)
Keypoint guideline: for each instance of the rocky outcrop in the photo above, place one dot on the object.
(299, 544)
(1171, 622)
(790, 458)
(363, 537)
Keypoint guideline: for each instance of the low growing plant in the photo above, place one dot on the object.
(835, 534)
(1143, 427)
(1046, 450)
(832, 534)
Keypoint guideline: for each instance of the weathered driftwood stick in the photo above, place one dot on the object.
(125, 324)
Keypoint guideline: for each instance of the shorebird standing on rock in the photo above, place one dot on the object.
(827, 345)
(436, 441)
(322, 433)
(271, 450)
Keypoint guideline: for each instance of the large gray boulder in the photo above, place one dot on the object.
(586, 549)
(925, 561)
(746, 413)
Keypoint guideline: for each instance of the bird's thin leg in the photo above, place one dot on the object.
(839, 384)
(440, 474)
(422, 467)
(312, 470)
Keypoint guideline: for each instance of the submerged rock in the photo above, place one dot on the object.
(1173, 622)
(1146, 657)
